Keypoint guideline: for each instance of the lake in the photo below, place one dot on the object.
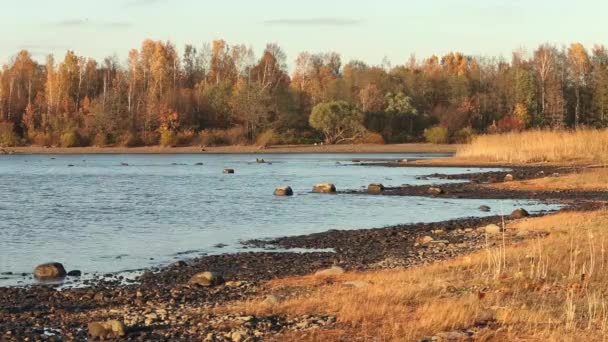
(100, 216)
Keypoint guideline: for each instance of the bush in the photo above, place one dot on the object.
(436, 135)
(186, 138)
(371, 138)
(269, 137)
(237, 136)
(69, 139)
(150, 138)
(128, 139)
(100, 139)
(168, 138)
(40, 138)
(464, 136)
(213, 137)
(7, 135)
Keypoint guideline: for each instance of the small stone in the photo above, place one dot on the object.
(283, 191)
(425, 240)
(51, 270)
(508, 177)
(206, 279)
(108, 329)
(198, 164)
(519, 213)
(229, 171)
(485, 208)
(327, 188)
(435, 191)
(270, 300)
(332, 271)
(235, 283)
(491, 229)
(375, 188)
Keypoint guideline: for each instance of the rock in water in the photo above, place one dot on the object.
(375, 188)
(326, 188)
(484, 208)
(229, 171)
(75, 273)
(509, 177)
(108, 329)
(435, 191)
(51, 270)
(283, 191)
(519, 213)
(206, 279)
(332, 271)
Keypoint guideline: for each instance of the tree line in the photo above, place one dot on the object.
(222, 94)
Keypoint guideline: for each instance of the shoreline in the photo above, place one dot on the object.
(167, 290)
(347, 148)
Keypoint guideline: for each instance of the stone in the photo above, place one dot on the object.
(198, 164)
(229, 171)
(284, 190)
(51, 270)
(435, 191)
(485, 208)
(206, 279)
(271, 300)
(425, 240)
(108, 329)
(375, 188)
(491, 229)
(74, 273)
(332, 271)
(519, 213)
(238, 336)
(508, 177)
(326, 188)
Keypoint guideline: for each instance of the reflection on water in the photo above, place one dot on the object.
(101, 215)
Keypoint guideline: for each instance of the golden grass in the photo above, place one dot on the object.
(552, 288)
(587, 180)
(585, 145)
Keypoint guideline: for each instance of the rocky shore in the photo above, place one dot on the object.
(166, 304)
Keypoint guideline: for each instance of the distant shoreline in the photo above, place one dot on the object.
(359, 148)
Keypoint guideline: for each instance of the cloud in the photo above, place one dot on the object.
(90, 23)
(322, 21)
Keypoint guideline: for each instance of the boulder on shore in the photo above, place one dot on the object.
(492, 229)
(75, 273)
(375, 188)
(519, 213)
(326, 188)
(283, 191)
(206, 279)
(332, 271)
(108, 329)
(51, 270)
(435, 191)
(508, 177)
(229, 171)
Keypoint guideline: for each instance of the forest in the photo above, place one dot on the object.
(222, 94)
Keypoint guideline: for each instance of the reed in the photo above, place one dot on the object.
(535, 146)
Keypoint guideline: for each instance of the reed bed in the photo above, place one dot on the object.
(536, 146)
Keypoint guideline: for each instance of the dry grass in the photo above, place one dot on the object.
(588, 180)
(552, 288)
(585, 145)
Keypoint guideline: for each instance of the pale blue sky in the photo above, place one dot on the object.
(358, 29)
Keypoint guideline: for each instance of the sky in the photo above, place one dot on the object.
(366, 30)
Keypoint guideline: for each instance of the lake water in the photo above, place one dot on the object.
(99, 216)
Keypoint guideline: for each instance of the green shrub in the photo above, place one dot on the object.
(436, 135)
(69, 139)
(8, 137)
(267, 138)
(464, 136)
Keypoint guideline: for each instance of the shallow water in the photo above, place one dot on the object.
(99, 216)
